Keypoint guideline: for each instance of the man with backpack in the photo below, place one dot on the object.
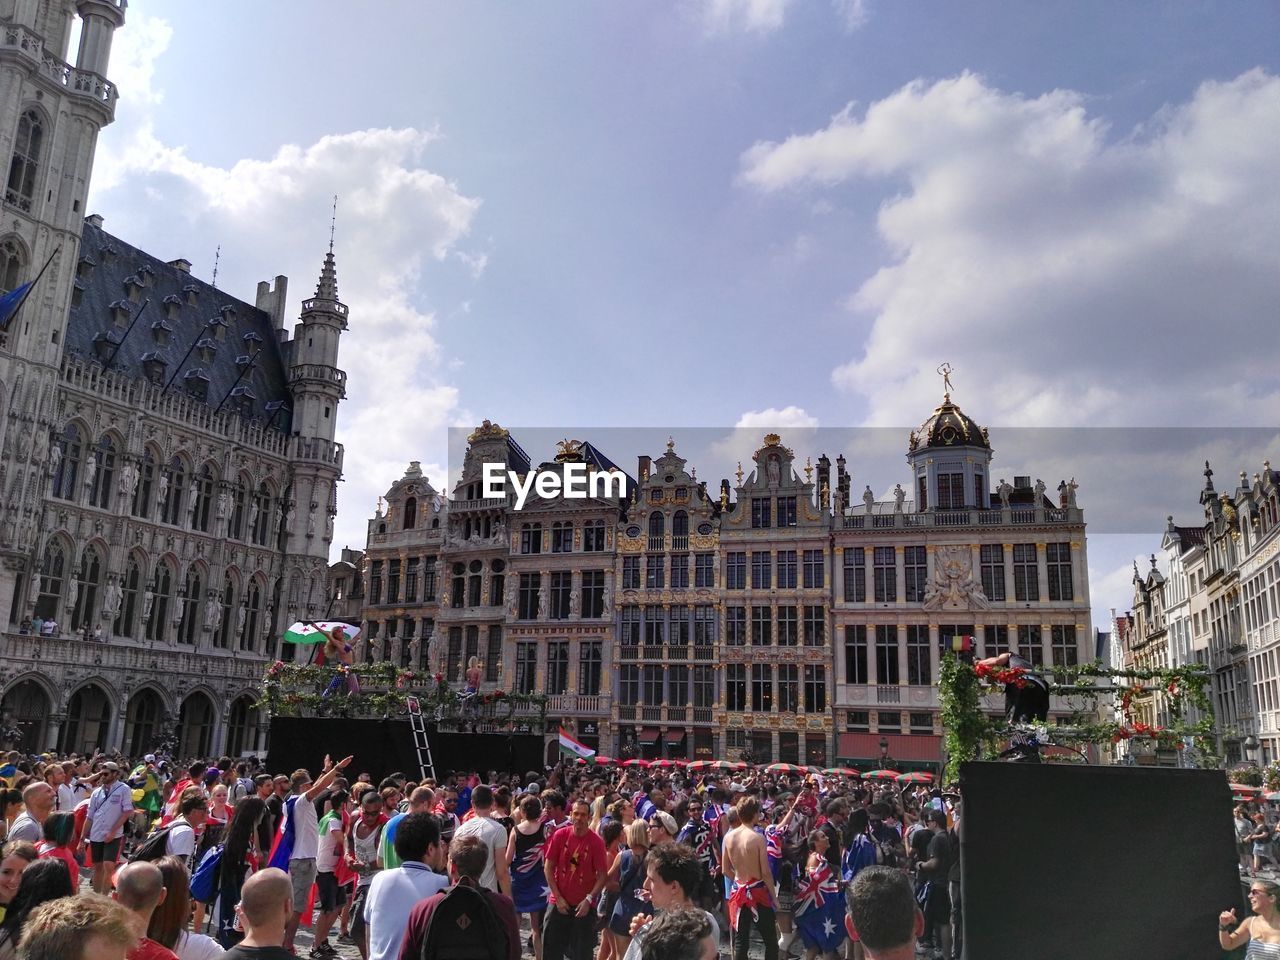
(184, 833)
(396, 891)
(466, 921)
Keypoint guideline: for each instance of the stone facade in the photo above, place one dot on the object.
(167, 454)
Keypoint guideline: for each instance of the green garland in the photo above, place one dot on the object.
(971, 735)
(294, 689)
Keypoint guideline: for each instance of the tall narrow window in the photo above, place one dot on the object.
(21, 186)
(630, 626)
(855, 574)
(526, 666)
(735, 687)
(915, 567)
(788, 687)
(657, 529)
(590, 667)
(761, 624)
(190, 608)
(493, 656)
(885, 574)
(593, 536)
(226, 624)
(855, 653)
(679, 625)
(127, 618)
(410, 513)
(992, 562)
(12, 265)
(815, 688)
(786, 512)
(104, 472)
(919, 673)
(88, 577)
(814, 569)
(53, 572)
(592, 594)
(788, 626)
(631, 573)
(762, 687)
(761, 512)
(530, 584)
(680, 531)
(815, 626)
(886, 653)
(71, 452)
(761, 570)
(161, 597)
(260, 515)
(787, 570)
(557, 667)
(1066, 653)
(146, 480)
(1058, 560)
(203, 486)
(1026, 573)
(735, 571)
(561, 592)
(531, 538)
(562, 536)
(1030, 643)
(239, 503)
(704, 570)
(735, 626)
(252, 617)
(172, 478)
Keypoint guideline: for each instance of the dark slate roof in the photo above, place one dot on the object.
(593, 455)
(517, 459)
(108, 264)
(1191, 536)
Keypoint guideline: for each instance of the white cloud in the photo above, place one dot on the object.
(786, 418)
(754, 16)
(747, 436)
(1061, 269)
(852, 13)
(396, 219)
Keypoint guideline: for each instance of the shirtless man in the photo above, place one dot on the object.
(746, 864)
(474, 674)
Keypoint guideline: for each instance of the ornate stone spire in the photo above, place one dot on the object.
(327, 288)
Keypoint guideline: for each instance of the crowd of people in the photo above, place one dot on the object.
(212, 860)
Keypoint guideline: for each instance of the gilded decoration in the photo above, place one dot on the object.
(488, 431)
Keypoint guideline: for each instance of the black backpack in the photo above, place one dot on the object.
(464, 927)
(155, 846)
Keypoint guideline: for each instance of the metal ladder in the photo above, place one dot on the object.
(420, 742)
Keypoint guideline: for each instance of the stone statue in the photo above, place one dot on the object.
(1039, 488)
(868, 498)
(1072, 487)
(148, 598)
(899, 497)
(73, 594)
(253, 517)
(90, 470)
(575, 600)
(41, 447)
(433, 649)
(1062, 494)
(55, 456)
(953, 586)
(328, 525)
(510, 599)
(128, 480)
(773, 469)
(113, 598)
(162, 490)
(224, 504)
(415, 651)
(241, 613)
(1004, 491)
(311, 522)
(193, 501)
(212, 614)
(606, 600)
(542, 598)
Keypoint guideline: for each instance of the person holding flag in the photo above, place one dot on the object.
(819, 907)
(751, 893)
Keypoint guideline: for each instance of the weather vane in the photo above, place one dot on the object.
(333, 222)
(944, 371)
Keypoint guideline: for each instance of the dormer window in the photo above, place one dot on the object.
(146, 275)
(191, 291)
(109, 252)
(206, 348)
(172, 306)
(121, 312)
(197, 383)
(84, 267)
(105, 344)
(243, 361)
(154, 367)
(228, 312)
(133, 285)
(161, 333)
(252, 342)
(244, 401)
(77, 293)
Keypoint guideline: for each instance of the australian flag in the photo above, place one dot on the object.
(819, 909)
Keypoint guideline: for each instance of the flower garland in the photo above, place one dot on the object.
(970, 734)
(291, 689)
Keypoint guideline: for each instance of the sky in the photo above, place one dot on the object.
(708, 218)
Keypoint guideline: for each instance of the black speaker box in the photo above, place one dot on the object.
(1062, 862)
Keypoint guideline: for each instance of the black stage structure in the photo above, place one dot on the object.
(1060, 861)
(381, 747)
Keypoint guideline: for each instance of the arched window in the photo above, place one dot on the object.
(70, 455)
(410, 513)
(142, 721)
(239, 504)
(146, 480)
(228, 612)
(252, 616)
(21, 187)
(12, 265)
(161, 598)
(88, 721)
(127, 618)
(53, 573)
(680, 530)
(195, 725)
(88, 577)
(242, 727)
(203, 487)
(104, 474)
(190, 608)
(562, 536)
(260, 515)
(657, 527)
(173, 476)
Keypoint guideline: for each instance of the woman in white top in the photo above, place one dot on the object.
(169, 920)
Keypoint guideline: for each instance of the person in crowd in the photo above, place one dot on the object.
(394, 893)
(525, 847)
(266, 912)
(275, 804)
(194, 778)
(15, 857)
(184, 834)
(363, 838)
(496, 875)
(628, 872)
(10, 810)
(140, 889)
(575, 869)
(467, 856)
(300, 837)
(662, 828)
(168, 925)
(421, 800)
(109, 807)
(554, 814)
(330, 894)
(38, 799)
(884, 915)
(86, 927)
(934, 872)
(59, 835)
(680, 935)
(673, 879)
(1260, 837)
(751, 896)
(240, 857)
(41, 882)
(1262, 929)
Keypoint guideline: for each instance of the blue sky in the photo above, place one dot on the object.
(720, 213)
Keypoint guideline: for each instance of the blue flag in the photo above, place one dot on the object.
(819, 909)
(11, 301)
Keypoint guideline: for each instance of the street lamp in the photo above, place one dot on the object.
(1250, 748)
(886, 761)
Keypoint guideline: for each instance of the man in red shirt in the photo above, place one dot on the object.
(140, 889)
(575, 867)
